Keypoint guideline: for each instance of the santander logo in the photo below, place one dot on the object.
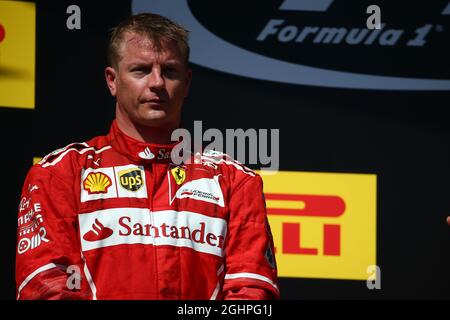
(98, 232)
(129, 226)
(146, 154)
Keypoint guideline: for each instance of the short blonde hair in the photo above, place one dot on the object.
(154, 27)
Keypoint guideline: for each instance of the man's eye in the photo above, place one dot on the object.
(139, 71)
(170, 72)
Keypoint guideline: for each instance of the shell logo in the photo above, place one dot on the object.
(97, 182)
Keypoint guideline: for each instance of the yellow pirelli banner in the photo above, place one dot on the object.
(323, 224)
(17, 54)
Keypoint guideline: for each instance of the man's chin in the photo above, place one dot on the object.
(155, 121)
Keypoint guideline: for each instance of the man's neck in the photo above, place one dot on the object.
(154, 135)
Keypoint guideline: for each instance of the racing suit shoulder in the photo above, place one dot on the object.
(67, 160)
(47, 238)
(235, 171)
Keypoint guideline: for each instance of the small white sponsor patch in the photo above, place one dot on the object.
(118, 226)
(146, 154)
(36, 239)
(203, 189)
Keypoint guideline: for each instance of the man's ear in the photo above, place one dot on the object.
(110, 76)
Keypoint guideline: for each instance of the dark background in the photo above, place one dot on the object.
(402, 137)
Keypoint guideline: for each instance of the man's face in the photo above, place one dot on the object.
(149, 85)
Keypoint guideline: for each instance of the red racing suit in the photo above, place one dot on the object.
(115, 218)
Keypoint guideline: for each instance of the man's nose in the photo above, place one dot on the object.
(156, 80)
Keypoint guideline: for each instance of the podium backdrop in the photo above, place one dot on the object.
(363, 189)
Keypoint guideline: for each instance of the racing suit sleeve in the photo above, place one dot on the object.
(48, 259)
(250, 266)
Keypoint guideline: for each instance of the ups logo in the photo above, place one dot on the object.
(131, 179)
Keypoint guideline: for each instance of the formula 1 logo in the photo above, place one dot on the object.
(300, 42)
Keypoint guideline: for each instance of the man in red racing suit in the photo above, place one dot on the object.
(135, 226)
(117, 218)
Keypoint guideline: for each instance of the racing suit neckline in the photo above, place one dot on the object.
(139, 151)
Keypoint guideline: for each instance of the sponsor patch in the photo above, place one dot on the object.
(97, 232)
(179, 174)
(120, 226)
(95, 185)
(146, 154)
(30, 243)
(113, 182)
(131, 179)
(97, 182)
(203, 189)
